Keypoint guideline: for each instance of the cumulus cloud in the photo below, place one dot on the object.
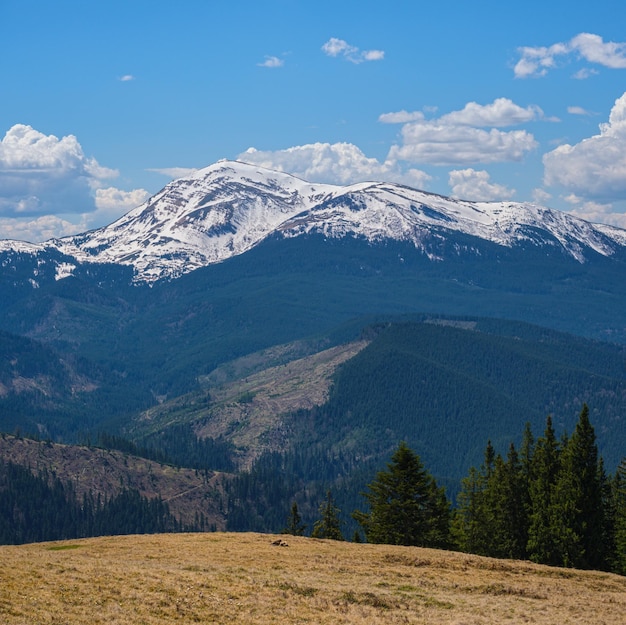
(338, 47)
(501, 112)
(338, 163)
(536, 61)
(401, 117)
(127, 78)
(272, 62)
(461, 137)
(584, 73)
(475, 185)
(541, 196)
(595, 168)
(596, 212)
(48, 187)
(116, 199)
(38, 229)
(442, 144)
(42, 174)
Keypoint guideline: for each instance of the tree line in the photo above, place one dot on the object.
(41, 507)
(550, 502)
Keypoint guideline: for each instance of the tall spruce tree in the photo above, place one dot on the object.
(492, 515)
(468, 527)
(473, 523)
(505, 495)
(329, 525)
(545, 472)
(578, 500)
(619, 499)
(406, 505)
(295, 527)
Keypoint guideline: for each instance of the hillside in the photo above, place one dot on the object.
(250, 411)
(246, 578)
(236, 258)
(106, 472)
(444, 385)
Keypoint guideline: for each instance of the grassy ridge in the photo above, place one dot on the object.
(245, 578)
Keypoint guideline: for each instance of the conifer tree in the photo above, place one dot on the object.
(578, 500)
(609, 517)
(619, 499)
(406, 505)
(295, 527)
(545, 469)
(505, 499)
(473, 524)
(468, 528)
(329, 526)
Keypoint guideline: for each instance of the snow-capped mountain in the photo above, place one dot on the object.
(227, 208)
(218, 212)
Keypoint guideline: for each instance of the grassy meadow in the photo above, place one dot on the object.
(246, 578)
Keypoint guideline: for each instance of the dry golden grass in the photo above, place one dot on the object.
(244, 578)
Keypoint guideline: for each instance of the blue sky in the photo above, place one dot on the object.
(104, 102)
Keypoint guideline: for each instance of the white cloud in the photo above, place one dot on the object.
(127, 78)
(38, 229)
(584, 73)
(595, 168)
(174, 172)
(335, 47)
(460, 137)
(338, 163)
(501, 112)
(116, 199)
(49, 188)
(536, 61)
(442, 144)
(593, 49)
(41, 174)
(338, 47)
(596, 212)
(475, 185)
(373, 55)
(541, 196)
(272, 62)
(577, 110)
(401, 117)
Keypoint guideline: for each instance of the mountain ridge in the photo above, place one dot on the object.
(228, 208)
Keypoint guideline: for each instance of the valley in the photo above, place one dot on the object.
(245, 340)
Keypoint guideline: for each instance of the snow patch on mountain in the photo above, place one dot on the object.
(218, 212)
(227, 208)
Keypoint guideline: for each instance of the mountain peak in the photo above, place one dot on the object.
(227, 208)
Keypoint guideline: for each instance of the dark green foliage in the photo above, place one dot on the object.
(258, 499)
(555, 506)
(619, 518)
(578, 500)
(544, 474)
(295, 527)
(40, 508)
(182, 447)
(406, 505)
(425, 382)
(111, 441)
(329, 525)
(157, 341)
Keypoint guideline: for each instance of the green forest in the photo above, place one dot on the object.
(551, 501)
(40, 507)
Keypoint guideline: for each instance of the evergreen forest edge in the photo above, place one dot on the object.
(551, 502)
(267, 476)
